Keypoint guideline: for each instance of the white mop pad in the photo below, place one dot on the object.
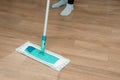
(53, 60)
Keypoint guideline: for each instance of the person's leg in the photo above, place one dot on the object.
(70, 1)
(68, 9)
(60, 3)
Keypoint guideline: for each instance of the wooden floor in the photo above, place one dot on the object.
(89, 37)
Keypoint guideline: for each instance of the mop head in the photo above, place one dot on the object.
(49, 58)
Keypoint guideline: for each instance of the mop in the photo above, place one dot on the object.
(39, 53)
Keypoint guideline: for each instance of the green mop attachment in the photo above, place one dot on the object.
(39, 53)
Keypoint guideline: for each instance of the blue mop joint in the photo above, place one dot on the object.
(43, 46)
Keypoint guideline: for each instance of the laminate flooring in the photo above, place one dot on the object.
(89, 37)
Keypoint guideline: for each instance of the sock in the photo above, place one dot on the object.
(68, 10)
(59, 3)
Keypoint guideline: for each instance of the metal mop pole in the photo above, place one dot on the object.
(43, 44)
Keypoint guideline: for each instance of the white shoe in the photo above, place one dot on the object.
(68, 10)
(59, 3)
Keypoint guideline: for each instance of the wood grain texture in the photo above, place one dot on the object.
(90, 37)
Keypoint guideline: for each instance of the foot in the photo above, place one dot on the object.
(68, 10)
(59, 3)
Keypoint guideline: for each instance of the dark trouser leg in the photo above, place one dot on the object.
(70, 1)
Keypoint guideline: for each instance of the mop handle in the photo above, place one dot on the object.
(43, 44)
(46, 18)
